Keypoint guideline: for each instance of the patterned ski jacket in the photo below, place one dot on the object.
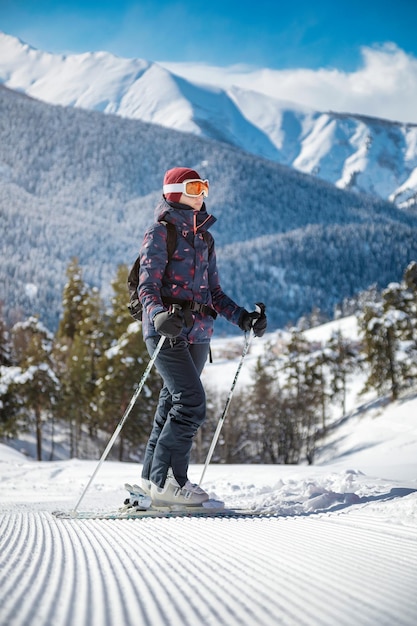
(191, 274)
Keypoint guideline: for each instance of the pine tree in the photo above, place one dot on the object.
(4, 341)
(74, 294)
(341, 359)
(82, 370)
(8, 402)
(410, 338)
(390, 339)
(235, 443)
(37, 384)
(399, 319)
(381, 332)
(374, 346)
(80, 341)
(120, 369)
(264, 420)
(304, 395)
(119, 318)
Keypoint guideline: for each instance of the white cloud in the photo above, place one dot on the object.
(385, 86)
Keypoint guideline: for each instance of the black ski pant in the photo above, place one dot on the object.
(181, 409)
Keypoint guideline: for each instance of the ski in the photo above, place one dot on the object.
(131, 513)
(139, 506)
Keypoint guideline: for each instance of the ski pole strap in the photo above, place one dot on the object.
(191, 305)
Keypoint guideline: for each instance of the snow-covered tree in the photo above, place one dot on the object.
(120, 368)
(390, 336)
(9, 400)
(74, 294)
(342, 359)
(305, 391)
(34, 382)
(264, 424)
(79, 356)
(4, 340)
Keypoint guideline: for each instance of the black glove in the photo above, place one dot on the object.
(255, 320)
(169, 323)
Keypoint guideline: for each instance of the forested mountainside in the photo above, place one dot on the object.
(82, 184)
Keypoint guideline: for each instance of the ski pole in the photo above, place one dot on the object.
(260, 308)
(123, 419)
(226, 406)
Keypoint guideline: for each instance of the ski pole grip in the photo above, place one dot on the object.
(260, 308)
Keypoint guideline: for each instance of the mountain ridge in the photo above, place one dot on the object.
(351, 151)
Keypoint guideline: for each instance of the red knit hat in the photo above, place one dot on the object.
(178, 175)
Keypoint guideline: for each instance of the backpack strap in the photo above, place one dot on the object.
(208, 238)
(195, 307)
(171, 238)
(135, 306)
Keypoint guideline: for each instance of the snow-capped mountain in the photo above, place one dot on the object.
(351, 151)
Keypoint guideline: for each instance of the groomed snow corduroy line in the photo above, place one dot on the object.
(329, 568)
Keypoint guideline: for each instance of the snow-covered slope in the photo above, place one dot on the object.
(341, 547)
(351, 151)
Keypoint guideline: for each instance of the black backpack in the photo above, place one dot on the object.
(135, 306)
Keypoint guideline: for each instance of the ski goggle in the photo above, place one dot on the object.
(193, 187)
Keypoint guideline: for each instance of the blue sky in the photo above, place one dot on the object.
(274, 34)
